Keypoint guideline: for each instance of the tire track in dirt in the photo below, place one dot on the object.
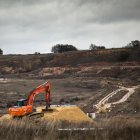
(104, 101)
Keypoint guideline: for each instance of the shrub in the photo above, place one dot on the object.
(37, 53)
(1, 52)
(133, 44)
(60, 48)
(95, 47)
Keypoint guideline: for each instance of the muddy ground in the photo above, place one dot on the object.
(81, 91)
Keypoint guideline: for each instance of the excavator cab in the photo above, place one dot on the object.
(21, 102)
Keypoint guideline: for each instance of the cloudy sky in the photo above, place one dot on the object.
(28, 26)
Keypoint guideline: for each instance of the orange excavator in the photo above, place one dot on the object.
(24, 107)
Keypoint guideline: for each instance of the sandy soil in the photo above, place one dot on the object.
(60, 113)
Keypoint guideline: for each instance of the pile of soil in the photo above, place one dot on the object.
(67, 113)
(61, 113)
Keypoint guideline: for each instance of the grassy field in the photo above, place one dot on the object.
(116, 129)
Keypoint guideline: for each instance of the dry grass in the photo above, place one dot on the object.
(116, 129)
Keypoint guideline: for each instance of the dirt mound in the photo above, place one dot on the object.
(62, 113)
(71, 114)
(5, 117)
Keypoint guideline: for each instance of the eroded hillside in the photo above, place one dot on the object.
(87, 63)
(82, 78)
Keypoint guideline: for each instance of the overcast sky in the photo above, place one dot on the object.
(28, 26)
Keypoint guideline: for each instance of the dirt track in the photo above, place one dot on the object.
(123, 99)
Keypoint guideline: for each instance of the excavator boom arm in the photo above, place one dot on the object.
(44, 87)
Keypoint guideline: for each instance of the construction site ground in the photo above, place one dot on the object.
(59, 113)
(81, 91)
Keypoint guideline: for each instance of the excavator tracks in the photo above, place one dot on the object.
(32, 116)
(35, 115)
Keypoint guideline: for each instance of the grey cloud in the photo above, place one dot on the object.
(107, 11)
(78, 12)
(41, 22)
